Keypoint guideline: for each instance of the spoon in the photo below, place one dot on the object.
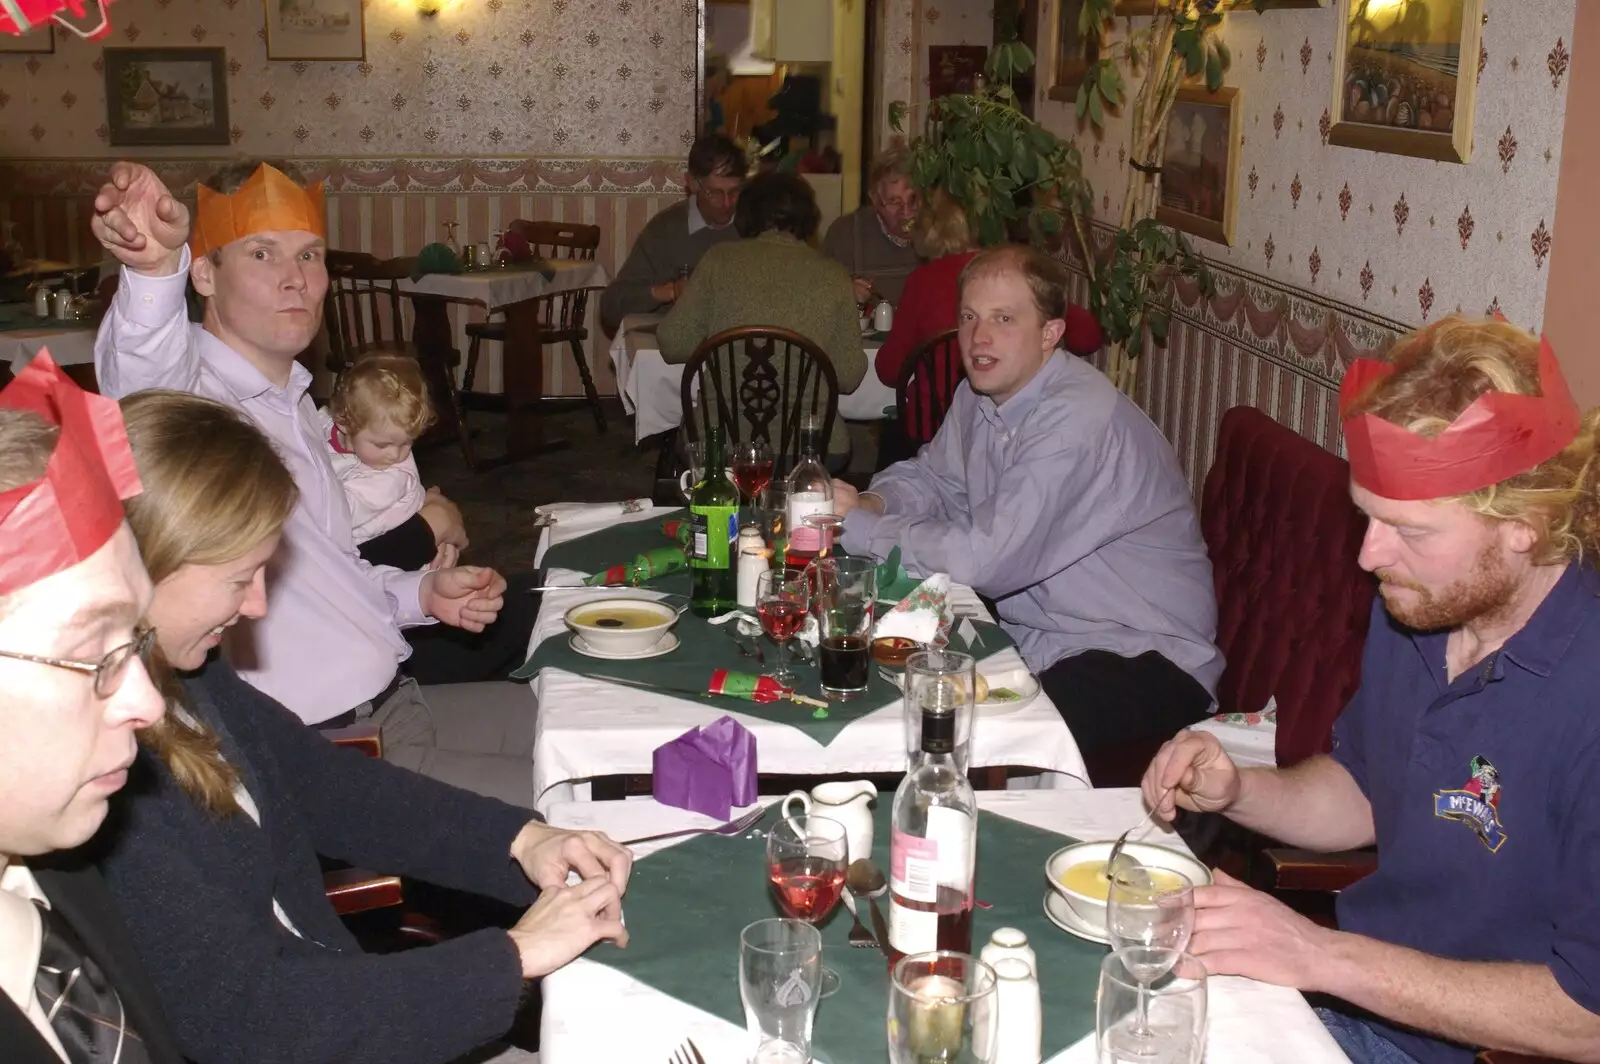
(864, 880)
(1128, 860)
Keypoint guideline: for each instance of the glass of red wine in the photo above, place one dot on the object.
(752, 467)
(783, 599)
(806, 859)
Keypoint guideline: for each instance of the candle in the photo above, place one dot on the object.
(936, 1018)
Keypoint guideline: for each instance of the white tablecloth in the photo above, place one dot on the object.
(72, 345)
(494, 290)
(652, 390)
(1250, 1022)
(587, 728)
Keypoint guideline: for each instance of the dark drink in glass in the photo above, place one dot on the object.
(844, 662)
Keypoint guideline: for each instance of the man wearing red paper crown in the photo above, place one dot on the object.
(73, 691)
(1470, 754)
(331, 647)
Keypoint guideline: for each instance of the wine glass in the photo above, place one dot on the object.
(942, 1007)
(806, 859)
(772, 507)
(1141, 1023)
(783, 598)
(780, 967)
(828, 526)
(752, 467)
(1149, 913)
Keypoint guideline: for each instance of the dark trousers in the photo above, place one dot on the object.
(1120, 710)
(893, 444)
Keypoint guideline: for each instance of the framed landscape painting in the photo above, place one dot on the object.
(167, 95)
(1398, 84)
(318, 30)
(1200, 170)
(1071, 54)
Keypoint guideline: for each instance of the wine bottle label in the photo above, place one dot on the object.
(715, 528)
(914, 866)
(912, 930)
(952, 833)
(806, 538)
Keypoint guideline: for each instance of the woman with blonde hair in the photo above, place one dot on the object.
(213, 852)
(943, 236)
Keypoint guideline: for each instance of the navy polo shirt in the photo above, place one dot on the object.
(1485, 795)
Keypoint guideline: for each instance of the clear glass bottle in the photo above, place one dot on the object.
(933, 847)
(714, 515)
(810, 492)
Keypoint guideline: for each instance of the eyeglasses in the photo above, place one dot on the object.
(109, 670)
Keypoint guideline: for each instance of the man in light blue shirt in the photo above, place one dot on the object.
(1049, 492)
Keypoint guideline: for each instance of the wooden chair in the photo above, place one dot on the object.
(362, 316)
(763, 377)
(563, 316)
(927, 386)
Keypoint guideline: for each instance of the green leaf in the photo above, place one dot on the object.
(1097, 111)
(1213, 72)
(897, 116)
(1224, 54)
(1082, 107)
(1135, 342)
(1050, 222)
(1158, 320)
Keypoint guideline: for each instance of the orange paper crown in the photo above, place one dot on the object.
(69, 513)
(1498, 436)
(269, 202)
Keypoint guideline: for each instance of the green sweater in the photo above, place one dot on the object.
(664, 246)
(776, 280)
(857, 240)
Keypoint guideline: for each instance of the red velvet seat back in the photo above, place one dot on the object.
(1292, 604)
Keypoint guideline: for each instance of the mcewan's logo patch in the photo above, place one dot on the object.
(1477, 804)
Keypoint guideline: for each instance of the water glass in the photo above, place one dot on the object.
(780, 975)
(942, 1010)
(940, 681)
(1150, 907)
(1160, 1023)
(843, 597)
(772, 513)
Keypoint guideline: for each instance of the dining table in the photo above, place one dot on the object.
(651, 390)
(593, 722)
(70, 343)
(515, 293)
(688, 898)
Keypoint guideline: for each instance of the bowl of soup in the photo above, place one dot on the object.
(621, 625)
(1078, 874)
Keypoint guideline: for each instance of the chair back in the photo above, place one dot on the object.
(558, 240)
(362, 310)
(927, 386)
(1292, 604)
(759, 380)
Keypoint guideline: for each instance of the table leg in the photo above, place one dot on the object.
(435, 347)
(524, 382)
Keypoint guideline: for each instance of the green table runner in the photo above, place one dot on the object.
(15, 316)
(618, 545)
(687, 904)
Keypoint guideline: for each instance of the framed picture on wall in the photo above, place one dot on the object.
(1200, 169)
(41, 40)
(317, 30)
(953, 67)
(1071, 54)
(1397, 84)
(1148, 7)
(167, 95)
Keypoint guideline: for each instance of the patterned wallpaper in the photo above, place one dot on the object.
(1407, 239)
(548, 78)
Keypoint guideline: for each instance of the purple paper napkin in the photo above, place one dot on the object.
(708, 770)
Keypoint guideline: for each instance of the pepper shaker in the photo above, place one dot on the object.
(752, 563)
(41, 300)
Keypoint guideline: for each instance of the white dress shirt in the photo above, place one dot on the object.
(21, 937)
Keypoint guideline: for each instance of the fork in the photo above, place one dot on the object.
(732, 827)
(860, 937)
(688, 1053)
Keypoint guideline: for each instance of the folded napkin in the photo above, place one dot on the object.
(894, 583)
(707, 770)
(435, 258)
(921, 615)
(562, 513)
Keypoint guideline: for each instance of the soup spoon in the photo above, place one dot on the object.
(1128, 860)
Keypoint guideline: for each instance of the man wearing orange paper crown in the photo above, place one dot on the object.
(1470, 754)
(73, 691)
(331, 647)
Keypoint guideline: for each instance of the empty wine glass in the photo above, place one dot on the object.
(1149, 913)
(772, 508)
(806, 859)
(1150, 1023)
(783, 599)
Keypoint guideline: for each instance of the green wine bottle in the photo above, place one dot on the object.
(713, 511)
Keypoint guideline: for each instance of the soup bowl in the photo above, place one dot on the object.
(621, 625)
(1091, 907)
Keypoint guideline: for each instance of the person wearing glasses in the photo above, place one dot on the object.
(73, 693)
(213, 853)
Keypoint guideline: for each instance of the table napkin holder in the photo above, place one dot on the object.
(709, 770)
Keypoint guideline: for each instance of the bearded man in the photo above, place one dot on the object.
(1470, 754)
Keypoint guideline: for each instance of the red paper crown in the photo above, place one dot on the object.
(1498, 436)
(70, 512)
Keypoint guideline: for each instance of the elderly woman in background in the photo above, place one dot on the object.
(212, 853)
(927, 308)
(773, 277)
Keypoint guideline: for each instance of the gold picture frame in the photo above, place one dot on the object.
(1401, 73)
(1070, 53)
(1199, 189)
(1140, 8)
(316, 31)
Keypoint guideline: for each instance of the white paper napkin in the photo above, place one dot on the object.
(561, 513)
(917, 616)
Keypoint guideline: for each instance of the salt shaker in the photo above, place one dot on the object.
(1009, 942)
(41, 301)
(63, 304)
(883, 316)
(752, 563)
(1020, 1031)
